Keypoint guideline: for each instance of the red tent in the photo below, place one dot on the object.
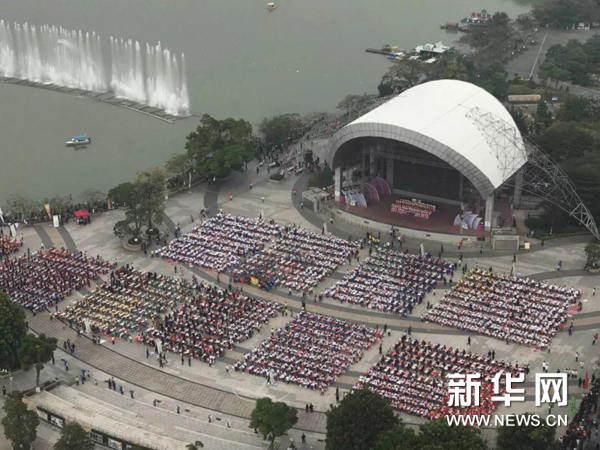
(81, 213)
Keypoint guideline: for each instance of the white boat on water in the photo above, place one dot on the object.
(271, 6)
(81, 139)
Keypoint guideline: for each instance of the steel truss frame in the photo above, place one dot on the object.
(540, 175)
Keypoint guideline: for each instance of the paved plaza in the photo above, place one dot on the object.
(218, 390)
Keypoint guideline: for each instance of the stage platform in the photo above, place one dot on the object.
(441, 221)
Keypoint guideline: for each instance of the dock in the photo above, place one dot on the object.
(104, 97)
(379, 51)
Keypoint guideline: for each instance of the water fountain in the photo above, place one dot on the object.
(61, 57)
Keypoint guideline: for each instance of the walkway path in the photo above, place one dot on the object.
(124, 368)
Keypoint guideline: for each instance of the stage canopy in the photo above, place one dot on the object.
(445, 118)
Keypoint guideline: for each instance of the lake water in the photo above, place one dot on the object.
(242, 61)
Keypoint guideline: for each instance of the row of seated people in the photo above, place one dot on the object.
(413, 376)
(220, 242)
(129, 302)
(515, 309)
(298, 260)
(44, 278)
(9, 245)
(390, 281)
(312, 350)
(210, 323)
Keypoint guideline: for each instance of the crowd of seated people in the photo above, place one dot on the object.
(582, 426)
(311, 351)
(129, 302)
(211, 322)
(44, 278)
(298, 260)
(515, 309)
(8, 245)
(220, 242)
(391, 281)
(413, 377)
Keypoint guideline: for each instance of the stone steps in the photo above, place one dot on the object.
(196, 419)
(149, 420)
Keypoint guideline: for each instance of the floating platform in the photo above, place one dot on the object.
(105, 97)
(379, 51)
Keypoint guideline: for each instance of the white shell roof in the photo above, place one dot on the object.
(433, 116)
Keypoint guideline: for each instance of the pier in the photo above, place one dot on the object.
(379, 51)
(105, 97)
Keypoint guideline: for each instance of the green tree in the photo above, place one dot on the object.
(355, 103)
(566, 13)
(526, 28)
(179, 164)
(74, 437)
(384, 89)
(543, 114)
(12, 330)
(522, 437)
(585, 174)
(195, 446)
(59, 204)
(35, 351)
(438, 435)
(128, 194)
(358, 421)
(592, 250)
(282, 128)
(19, 423)
(152, 191)
(592, 49)
(404, 73)
(21, 207)
(91, 196)
(219, 146)
(520, 120)
(399, 438)
(566, 141)
(568, 62)
(273, 417)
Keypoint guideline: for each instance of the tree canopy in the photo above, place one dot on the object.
(399, 438)
(522, 437)
(273, 417)
(145, 199)
(19, 423)
(354, 103)
(358, 421)
(35, 351)
(566, 13)
(152, 191)
(438, 435)
(404, 73)
(454, 66)
(74, 437)
(282, 128)
(219, 146)
(178, 164)
(565, 141)
(568, 62)
(13, 329)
